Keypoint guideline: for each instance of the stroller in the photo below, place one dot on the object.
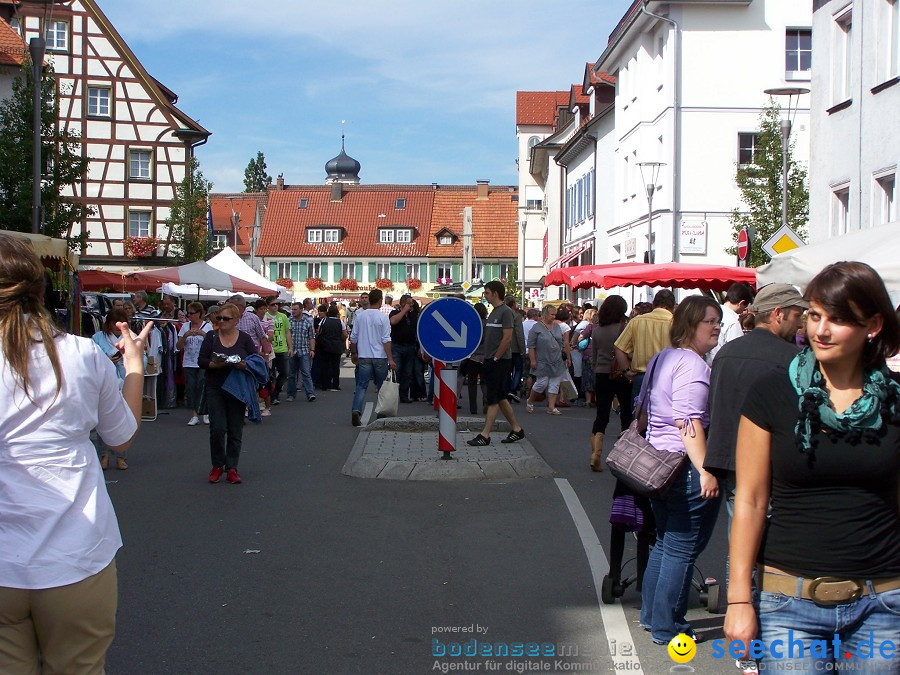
(631, 512)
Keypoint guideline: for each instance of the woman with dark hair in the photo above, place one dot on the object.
(608, 381)
(821, 445)
(58, 529)
(330, 340)
(675, 398)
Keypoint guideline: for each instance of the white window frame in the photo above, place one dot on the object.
(16, 25)
(444, 270)
(891, 57)
(385, 236)
(332, 236)
(797, 74)
(413, 270)
(314, 236)
(531, 203)
(52, 34)
(445, 240)
(348, 267)
(313, 269)
(505, 269)
(754, 147)
(136, 225)
(382, 270)
(478, 270)
(284, 270)
(95, 102)
(840, 210)
(884, 203)
(842, 55)
(141, 174)
(404, 236)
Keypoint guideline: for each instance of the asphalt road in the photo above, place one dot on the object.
(303, 570)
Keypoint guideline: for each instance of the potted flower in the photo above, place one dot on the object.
(315, 283)
(347, 284)
(141, 247)
(384, 284)
(413, 284)
(285, 282)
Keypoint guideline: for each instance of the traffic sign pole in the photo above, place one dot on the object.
(447, 413)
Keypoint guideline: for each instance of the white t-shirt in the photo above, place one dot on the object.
(57, 523)
(192, 344)
(731, 330)
(371, 331)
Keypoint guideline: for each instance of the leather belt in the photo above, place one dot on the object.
(824, 590)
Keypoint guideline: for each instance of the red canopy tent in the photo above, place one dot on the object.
(97, 280)
(202, 275)
(670, 275)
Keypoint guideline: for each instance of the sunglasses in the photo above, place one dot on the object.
(224, 318)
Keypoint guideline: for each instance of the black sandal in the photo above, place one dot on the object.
(514, 436)
(479, 441)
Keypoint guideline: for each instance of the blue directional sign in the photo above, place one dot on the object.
(449, 330)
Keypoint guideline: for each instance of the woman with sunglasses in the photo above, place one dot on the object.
(816, 505)
(222, 351)
(190, 337)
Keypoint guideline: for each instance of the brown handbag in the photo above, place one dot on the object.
(634, 461)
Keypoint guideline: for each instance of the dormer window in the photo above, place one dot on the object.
(327, 235)
(303, 203)
(395, 235)
(400, 203)
(445, 237)
(404, 236)
(445, 240)
(386, 237)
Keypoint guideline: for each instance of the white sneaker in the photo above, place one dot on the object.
(205, 419)
(194, 421)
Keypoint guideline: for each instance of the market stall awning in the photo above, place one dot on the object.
(44, 246)
(201, 275)
(670, 275)
(98, 280)
(569, 255)
(230, 262)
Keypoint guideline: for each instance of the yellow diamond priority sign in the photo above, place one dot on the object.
(784, 239)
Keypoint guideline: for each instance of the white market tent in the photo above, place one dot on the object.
(876, 246)
(229, 262)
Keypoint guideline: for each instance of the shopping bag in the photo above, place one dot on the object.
(567, 389)
(388, 397)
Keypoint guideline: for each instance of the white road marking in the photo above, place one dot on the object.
(613, 616)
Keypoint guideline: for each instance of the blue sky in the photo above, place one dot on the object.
(427, 89)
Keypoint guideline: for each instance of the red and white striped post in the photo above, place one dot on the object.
(436, 367)
(447, 411)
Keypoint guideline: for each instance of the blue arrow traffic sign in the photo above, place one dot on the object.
(449, 330)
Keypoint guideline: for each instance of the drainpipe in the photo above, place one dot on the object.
(676, 149)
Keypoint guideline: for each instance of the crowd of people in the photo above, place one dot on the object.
(780, 403)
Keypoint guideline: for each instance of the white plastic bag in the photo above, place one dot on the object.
(388, 397)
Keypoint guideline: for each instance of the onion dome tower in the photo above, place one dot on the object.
(342, 169)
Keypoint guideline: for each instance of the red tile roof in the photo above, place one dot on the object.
(223, 209)
(539, 107)
(12, 47)
(592, 79)
(494, 223)
(428, 209)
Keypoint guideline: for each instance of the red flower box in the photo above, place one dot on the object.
(141, 247)
(413, 284)
(315, 283)
(284, 282)
(384, 284)
(347, 284)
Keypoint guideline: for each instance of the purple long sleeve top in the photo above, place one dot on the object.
(680, 391)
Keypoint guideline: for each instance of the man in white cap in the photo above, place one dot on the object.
(778, 310)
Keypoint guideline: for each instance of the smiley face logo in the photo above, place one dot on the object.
(682, 648)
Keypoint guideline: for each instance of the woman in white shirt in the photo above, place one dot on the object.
(190, 337)
(58, 530)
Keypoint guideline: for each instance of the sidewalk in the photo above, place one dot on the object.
(406, 448)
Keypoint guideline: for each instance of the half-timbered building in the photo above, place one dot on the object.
(139, 143)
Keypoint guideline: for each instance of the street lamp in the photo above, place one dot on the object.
(650, 184)
(790, 92)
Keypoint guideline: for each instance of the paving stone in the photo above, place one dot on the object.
(446, 470)
(397, 470)
(498, 469)
(365, 467)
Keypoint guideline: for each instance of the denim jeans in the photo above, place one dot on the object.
(195, 389)
(300, 366)
(684, 524)
(404, 355)
(862, 627)
(515, 376)
(366, 371)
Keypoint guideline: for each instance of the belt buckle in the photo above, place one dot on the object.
(818, 581)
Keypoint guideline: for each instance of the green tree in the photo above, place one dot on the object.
(513, 284)
(188, 232)
(255, 177)
(760, 185)
(64, 167)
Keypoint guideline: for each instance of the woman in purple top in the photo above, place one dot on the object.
(678, 414)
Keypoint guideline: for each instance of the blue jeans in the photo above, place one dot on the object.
(300, 364)
(366, 371)
(515, 376)
(684, 524)
(404, 355)
(862, 627)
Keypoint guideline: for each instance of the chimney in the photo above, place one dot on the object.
(337, 192)
(279, 183)
(481, 189)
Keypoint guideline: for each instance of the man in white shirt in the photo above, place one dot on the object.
(370, 351)
(737, 300)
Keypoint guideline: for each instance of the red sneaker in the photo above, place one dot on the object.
(216, 474)
(232, 476)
